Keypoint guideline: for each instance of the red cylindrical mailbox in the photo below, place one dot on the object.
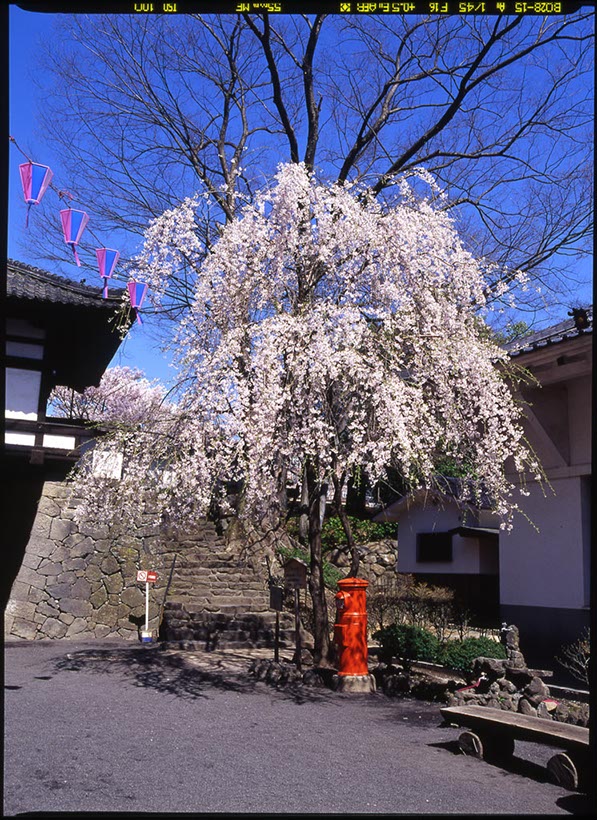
(350, 629)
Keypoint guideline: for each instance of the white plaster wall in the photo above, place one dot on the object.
(22, 393)
(25, 349)
(59, 442)
(432, 518)
(545, 568)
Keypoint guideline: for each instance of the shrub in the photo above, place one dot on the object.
(460, 655)
(576, 657)
(363, 532)
(384, 597)
(409, 643)
(401, 599)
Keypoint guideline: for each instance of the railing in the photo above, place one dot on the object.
(53, 438)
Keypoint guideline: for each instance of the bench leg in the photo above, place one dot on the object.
(562, 771)
(490, 747)
(471, 744)
(571, 771)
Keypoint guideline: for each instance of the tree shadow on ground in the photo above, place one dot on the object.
(172, 674)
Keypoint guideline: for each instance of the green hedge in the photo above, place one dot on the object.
(460, 655)
(409, 643)
(412, 643)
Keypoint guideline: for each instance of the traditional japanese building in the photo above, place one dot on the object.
(57, 332)
(536, 576)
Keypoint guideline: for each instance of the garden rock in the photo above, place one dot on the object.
(493, 668)
(536, 691)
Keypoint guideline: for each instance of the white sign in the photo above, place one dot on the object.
(142, 576)
(106, 465)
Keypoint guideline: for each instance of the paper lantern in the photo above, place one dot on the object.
(107, 259)
(73, 225)
(35, 179)
(137, 291)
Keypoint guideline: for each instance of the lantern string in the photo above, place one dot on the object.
(62, 194)
(12, 139)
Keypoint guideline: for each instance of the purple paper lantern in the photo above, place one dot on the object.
(73, 225)
(35, 179)
(107, 259)
(137, 291)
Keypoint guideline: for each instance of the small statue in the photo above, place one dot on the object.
(510, 638)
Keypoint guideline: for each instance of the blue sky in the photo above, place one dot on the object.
(26, 31)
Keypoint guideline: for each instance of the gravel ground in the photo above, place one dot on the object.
(115, 727)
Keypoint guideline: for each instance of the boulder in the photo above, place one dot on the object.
(520, 677)
(535, 691)
(492, 668)
(526, 708)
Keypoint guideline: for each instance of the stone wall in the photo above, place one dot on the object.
(377, 559)
(79, 581)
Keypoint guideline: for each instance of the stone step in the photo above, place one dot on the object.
(206, 580)
(233, 579)
(221, 595)
(227, 639)
(266, 615)
(200, 601)
(215, 594)
(232, 628)
(236, 574)
(201, 573)
(209, 560)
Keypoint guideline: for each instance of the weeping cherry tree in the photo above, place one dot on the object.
(330, 334)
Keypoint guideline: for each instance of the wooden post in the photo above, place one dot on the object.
(277, 639)
(147, 606)
(297, 623)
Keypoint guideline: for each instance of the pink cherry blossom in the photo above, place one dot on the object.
(329, 334)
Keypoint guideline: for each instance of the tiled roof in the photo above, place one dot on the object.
(462, 492)
(554, 334)
(30, 283)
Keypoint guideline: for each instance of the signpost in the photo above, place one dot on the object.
(146, 577)
(276, 602)
(295, 577)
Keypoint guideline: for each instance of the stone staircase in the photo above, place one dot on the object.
(219, 599)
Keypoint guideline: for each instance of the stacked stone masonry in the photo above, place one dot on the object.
(510, 685)
(78, 581)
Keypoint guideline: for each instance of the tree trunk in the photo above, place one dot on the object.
(345, 521)
(321, 629)
(304, 511)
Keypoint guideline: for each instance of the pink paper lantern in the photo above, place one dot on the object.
(107, 259)
(35, 179)
(73, 225)
(137, 291)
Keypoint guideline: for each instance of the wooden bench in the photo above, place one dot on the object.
(491, 734)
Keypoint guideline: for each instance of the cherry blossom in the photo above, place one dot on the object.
(123, 396)
(329, 333)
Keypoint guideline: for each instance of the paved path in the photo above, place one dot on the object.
(121, 728)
